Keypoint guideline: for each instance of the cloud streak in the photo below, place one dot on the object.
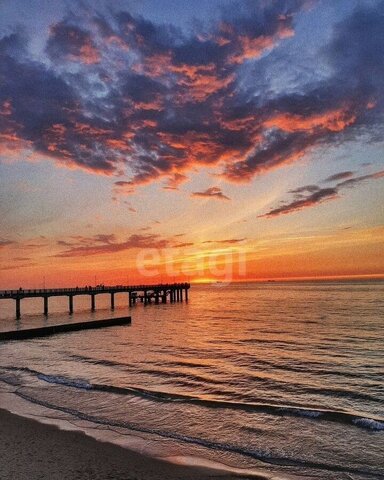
(5, 243)
(108, 244)
(212, 192)
(339, 176)
(313, 195)
(229, 241)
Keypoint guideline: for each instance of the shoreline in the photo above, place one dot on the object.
(31, 450)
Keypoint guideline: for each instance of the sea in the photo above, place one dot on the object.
(283, 380)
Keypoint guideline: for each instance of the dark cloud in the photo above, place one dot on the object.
(43, 113)
(102, 238)
(70, 43)
(356, 51)
(339, 176)
(151, 110)
(212, 192)
(124, 187)
(309, 200)
(5, 243)
(229, 241)
(352, 182)
(341, 107)
(63, 243)
(18, 266)
(310, 196)
(35, 245)
(305, 189)
(105, 244)
(123, 95)
(77, 240)
(184, 245)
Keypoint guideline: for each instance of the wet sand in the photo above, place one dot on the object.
(30, 450)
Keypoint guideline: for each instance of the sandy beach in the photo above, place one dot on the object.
(30, 450)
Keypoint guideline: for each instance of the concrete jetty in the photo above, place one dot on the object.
(63, 328)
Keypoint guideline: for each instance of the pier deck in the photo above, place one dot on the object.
(174, 292)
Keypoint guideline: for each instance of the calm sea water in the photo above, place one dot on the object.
(285, 379)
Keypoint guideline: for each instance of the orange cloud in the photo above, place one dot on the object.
(200, 81)
(12, 146)
(88, 54)
(251, 48)
(334, 121)
(175, 180)
(155, 65)
(87, 129)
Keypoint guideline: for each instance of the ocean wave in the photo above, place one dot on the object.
(266, 457)
(339, 416)
(318, 368)
(185, 379)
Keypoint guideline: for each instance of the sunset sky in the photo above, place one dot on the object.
(153, 140)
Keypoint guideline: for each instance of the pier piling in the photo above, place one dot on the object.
(46, 306)
(18, 308)
(112, 301)
(70, 297)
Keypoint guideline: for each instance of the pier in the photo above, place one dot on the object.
(146, 294)
(47, 330)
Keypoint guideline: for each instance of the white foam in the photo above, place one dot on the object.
(78, 383)
(369, 423)
(301, 412)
